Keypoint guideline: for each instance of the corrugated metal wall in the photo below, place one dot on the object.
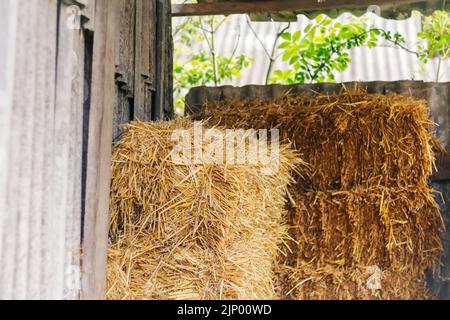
(383, 63)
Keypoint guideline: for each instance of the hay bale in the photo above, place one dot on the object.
(365, 200)
(309, 282)
(349, 139)
(392, 228)
(338, 235)
(194, 230)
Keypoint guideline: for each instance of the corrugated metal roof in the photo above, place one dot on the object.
(383, 63)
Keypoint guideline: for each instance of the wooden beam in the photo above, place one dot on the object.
(236, 7)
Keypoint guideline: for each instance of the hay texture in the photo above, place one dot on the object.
(365, 200)
(309, 282)
(392, 228)
(192, 231)
(349, 139)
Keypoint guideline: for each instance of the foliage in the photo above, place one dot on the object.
(199, 71)
(436, 34)
(322, 48)
(207, 67)
(436, 31)
(313, 54)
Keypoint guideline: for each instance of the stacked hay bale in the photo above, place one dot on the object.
(365, 203)
(192, 230)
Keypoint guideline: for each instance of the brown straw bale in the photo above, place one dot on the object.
(349, 139)
(309, 282)
(365, 200)
(192, 230)
(397, 228)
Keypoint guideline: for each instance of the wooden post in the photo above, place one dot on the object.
(163, 106)
(145, 59)
(95, 242)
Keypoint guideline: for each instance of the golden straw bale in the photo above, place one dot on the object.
(349, 139)
(192, 230)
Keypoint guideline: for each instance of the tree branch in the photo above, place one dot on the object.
(272, 57)
(258, 38)
(213, 52)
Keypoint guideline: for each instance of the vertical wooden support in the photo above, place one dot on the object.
(8, 12)
(68, 149)
(124, 65)
(163, 106)
(40, 151)
(95, 240)
(145, 59)
(30, 263)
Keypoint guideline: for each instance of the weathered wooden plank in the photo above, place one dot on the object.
(73, 232)
(32, 254)
(42, 281)
(68, 150)
(23, 122)
(8, 13)
(50, 231)
(163, 106)
(62, 124)
(237, 7)
(145, 59)
(140, 41)
(88, 14)
(125, 64)
(95, 241)
(12, 210)
(143, 63)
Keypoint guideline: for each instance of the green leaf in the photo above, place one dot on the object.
(286, 56)
(284, 45)
(326, 22)
(293, 60)
(296, 36)
(308, 28)
(303, 45)
(278, 73)
(312, 32)
(371, 44)
(286, 36)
